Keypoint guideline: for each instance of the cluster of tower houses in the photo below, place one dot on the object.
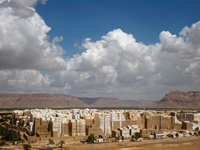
(43, 124)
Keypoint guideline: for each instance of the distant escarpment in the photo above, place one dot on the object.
(44, 100)
(39, 100)
(177, 99)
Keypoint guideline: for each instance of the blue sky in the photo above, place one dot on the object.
(76, 20)
(130, 49)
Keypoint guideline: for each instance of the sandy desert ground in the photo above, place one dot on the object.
(172, 145)
(192, 144)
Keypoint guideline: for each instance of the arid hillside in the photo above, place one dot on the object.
(174, 99)
(39, 100)
(177, 99)
(65, 101)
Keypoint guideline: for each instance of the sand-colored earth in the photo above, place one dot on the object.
(177, 144)
(5, 111)
(172, 145)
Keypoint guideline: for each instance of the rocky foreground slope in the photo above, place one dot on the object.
(177, 99)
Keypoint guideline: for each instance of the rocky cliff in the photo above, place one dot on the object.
(177, 99)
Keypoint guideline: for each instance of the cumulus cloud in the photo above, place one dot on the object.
(22, 8)
(117, 50)
(24, 41)
(114, 62)
(179, 59)
(28, 81)
(187, 46)
(119, 62)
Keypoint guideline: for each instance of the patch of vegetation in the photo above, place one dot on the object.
(9, 134)
(91, 138)
(51, 141)
(136, 136)
(2, 143)
(61, 143)
(4, 118)
(27, 146)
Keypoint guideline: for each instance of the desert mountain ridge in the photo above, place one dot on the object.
(41, 100)
(174, 99)
(178, 99)
(44, 100)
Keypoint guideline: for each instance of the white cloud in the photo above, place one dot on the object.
(22, 8)
(165, 35)
(24, 42)
(191, 67)
(114, 62)
(184, 31)
(28, 81)
(118, 58)
(76, 45)
(187, 46)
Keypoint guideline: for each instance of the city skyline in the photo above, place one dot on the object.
(125, 49)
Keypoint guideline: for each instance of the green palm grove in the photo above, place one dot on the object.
(9, 134)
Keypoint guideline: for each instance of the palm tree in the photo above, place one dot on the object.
(91, 138)
(61, 143)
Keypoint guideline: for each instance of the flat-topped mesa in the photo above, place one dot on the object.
(41, 100)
